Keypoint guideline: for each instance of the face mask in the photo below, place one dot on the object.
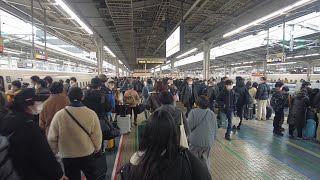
(229, 87)
(38, 108)
(190, 82)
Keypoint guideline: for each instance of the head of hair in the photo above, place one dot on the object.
(56, 88)
(34, 78)
(255, 85)
(103, 78)
(73, 79)
(48, 79)
(278, 84)
(19, 103)
(75, 94)
(159, 87)
(68, 81)
(149, 81)
(42, 82)
(160, 134)
(16, 83)
(228, 82)
(130, 86)
(202, 102)
(166, 97)
(248, 84)
(285, 88)
(263, 78)
(224, 78)
(188, 78)
(61, 81)
(305, 84)
(238, 78)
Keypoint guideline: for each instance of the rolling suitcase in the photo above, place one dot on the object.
(124, 123)
(309, 131)
(248, 112)
(269, 113)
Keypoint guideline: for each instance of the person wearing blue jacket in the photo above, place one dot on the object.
(110, 99)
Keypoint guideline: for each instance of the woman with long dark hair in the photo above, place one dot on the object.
(153, 102)
(160, 156)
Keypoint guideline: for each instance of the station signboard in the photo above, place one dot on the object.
(173, 42)
(41, 55)
(151, 60)
(276, 58)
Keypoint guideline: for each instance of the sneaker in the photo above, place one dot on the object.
(234, 127)
(227, 137)
(282, 129)
(238, 127)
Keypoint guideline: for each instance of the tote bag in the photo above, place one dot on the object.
(183, 136)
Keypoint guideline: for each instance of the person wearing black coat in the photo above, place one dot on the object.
(29, 150)
(242, 90)
(297, 113)
(189, 94)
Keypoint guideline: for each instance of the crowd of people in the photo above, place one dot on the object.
(51, 119)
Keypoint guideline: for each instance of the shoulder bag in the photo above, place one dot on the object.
(100, 165)
(183, 136)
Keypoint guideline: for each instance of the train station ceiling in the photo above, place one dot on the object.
(139, 28)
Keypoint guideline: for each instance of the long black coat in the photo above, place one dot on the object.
(298, 109)
(31, 154)
(186, 95)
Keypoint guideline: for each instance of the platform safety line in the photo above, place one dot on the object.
(290, 143)
(117, 160)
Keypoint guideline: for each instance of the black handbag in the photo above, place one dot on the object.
(110, 129)
(99, 158)
(140, 108)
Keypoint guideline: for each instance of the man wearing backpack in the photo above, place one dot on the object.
(106, 87)
(138, 85)
(145, 94)
(262, 97)
(278, 105)
(132, 99)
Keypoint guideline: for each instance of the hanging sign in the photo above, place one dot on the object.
(41, 55)
(276, 58)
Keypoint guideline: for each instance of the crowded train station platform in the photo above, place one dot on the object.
(159, 89)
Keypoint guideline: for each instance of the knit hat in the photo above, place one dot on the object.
(130, 86)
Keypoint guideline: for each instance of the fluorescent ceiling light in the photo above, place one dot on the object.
(74, 16)
(281, 63)
(268, 17)
(109, 51)
(243, 67)
(186, 53)
(120, 62)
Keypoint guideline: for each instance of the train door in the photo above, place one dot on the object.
(2, 84)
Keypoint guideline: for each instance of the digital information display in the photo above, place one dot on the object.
(276, 58)
(173, 43)
(41, 55)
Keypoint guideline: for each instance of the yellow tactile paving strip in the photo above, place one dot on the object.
(240, 160)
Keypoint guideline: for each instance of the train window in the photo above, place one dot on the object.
(80, 84)
(2, 84)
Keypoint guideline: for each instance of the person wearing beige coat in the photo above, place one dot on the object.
(76, 147)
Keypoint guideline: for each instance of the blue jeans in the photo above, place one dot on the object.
(227, 116)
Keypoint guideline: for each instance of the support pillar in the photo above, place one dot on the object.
(230, 71)
(154, 72)
(32, 33)
(225, 70)
(117, 67)
(160, 71)
(172, 67)
(123, 72)
(99, 44)
(308, 72)
(145, 70)
(264, 68)
(206, 61)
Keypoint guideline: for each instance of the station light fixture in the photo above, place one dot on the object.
(286, 63)
(186, 53)
(268, 17)
(73, 16)
(120, 62)
(109, 51)
(243, 67)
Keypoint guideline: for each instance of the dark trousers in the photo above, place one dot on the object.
(189, 107)
(240, 110)
(292, 127)
(86, 164)
(212, 105)
(227, 116)
(279, 114)
(135, 112)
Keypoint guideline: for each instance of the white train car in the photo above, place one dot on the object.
(9, 75)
